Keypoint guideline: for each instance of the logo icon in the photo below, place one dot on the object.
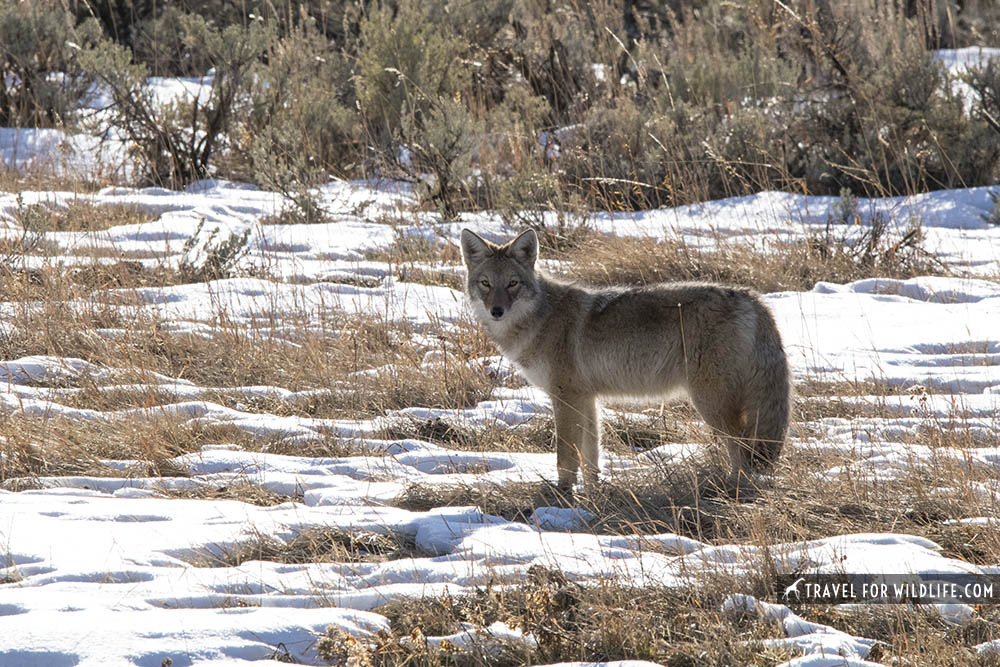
(794, 588)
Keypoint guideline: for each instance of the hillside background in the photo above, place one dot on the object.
(521, 104)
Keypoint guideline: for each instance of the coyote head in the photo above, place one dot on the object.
(501, 278)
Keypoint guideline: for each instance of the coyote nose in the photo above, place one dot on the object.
(497, 312)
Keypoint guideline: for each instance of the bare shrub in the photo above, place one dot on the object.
(177, 143)
(41, 79)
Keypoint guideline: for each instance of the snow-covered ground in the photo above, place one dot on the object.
(102, 569)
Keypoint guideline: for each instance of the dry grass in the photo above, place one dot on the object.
(416, 249)
(242, 491)
(622, 433)
(777, 265)
(823, 389)
(674, 422)
(375, 365)
(913, 635)
(693, 502)
(58, 329)
(113, 397)
(19, 180)
(418, 260)
(393, 376)
(371, 365)
(514, 501)
(54, 446)
(786, 265)
(53, 282)
(695, 498)
(609, 621)
(79, 215)
(49, 446)
(368, 365)
(799, 504)
(314, 545)
(534, 436)
(805, 506)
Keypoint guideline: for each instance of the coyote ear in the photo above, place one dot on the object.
(474, 247)
(524, 249)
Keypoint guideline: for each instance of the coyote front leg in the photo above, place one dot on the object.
(577, 438)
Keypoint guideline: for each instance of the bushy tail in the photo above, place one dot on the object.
(767, 400)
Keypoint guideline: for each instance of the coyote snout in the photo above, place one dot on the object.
(717, 344)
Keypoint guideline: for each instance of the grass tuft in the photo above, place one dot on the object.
(313, 545)
(609, 621)
(784, 265)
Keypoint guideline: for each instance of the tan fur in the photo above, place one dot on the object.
(718, 345)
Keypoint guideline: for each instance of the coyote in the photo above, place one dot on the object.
(717, 344)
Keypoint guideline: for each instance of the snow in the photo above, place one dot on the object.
(97, 563)
(819, 642)
(50, 149)
(103, 569)
(958, 62)
(937, 332)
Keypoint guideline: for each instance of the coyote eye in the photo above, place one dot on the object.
(512, 283)
(485, 283)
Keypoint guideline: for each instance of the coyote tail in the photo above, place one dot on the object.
(768, 398)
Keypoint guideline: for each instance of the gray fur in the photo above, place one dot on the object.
(718, 345)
